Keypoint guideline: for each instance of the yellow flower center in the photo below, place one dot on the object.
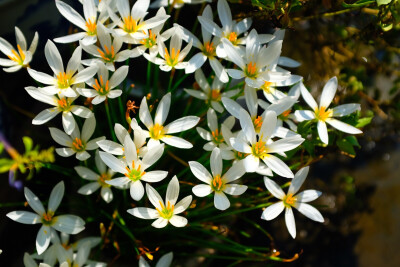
(251, 70)
(289, 200)
(260, 149)
(215, 95)
(267, 87)
(149, 41)
(166, 212)
(157, 131)
(322, 114)
(217, 183)
(63, 104)
(134, 174)
(102, 88)
(209, 49)
(91, 27)
(103, 178)
(172, 59)
(63, 80)
(108, 54)
(19, 58)
(47, 218)
(217, 136)
(257, 123)
(130, 25)
(232, 37)
(78, 145)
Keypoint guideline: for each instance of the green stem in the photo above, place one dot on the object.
(110, 121)
(149, 67)
(155, 83)
(171, 77)
(121, 108)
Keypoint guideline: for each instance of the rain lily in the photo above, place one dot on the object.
(20, 57)
(175, 3)
(78, 259)
(290, 200)
(62, 105)
(69, 224)
(172, 59)
(323, 114)
(165, 211)
(103, 85)
(216, 136)
(212, 95)
(132, 24)
(98, 179)
(62, 80)
(164, 261)
(134, 169)
(218, 183)
(108, 52)
(76, 142)
(260, 146)
(208, 50)
(88, 24)
(158, 132)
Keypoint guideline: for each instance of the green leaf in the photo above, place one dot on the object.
(346, 146)
(28, 143)
(353, 140)
(359, 3)
(5, 165)
(383, 2)
(363, 122)
(309, 147)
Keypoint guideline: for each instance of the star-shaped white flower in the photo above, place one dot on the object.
(62, 80)
(20, 57)
(164, 261)
(218, 183)
(133, 168)
(76, 142)
(323, 114)
(69, 224)
(290, 200)
(165, 211)
(158, 132)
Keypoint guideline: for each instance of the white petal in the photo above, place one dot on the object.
(56, 196)
(163, 109)
(206, 135)
(70, 38)
(308, 195)
(68, 122)
(285, 144)
(274, 188)
(273, 211)
(251, 163)
(43, 239)
(202, 190)
(144, 213)
(45, 116)
(69, 224)
(172, 191)
(235, 74)
(323, 132)
(308, 97)
(219, 70)
(92, 144)
(278, 166)
(176, 142)
(41, 77)
(232, 107)
(235, 172)
(298, 180)
(75, 60)
(144, 114)
(290, 223)
(345, 109)
(160, 223)
(53, 57)
(248, 127)
(304, 115)
(196, 94)
(154, 176)
(150, 158)
(235, 189)
(182, 205)
(113, 163)
(233, 54)
(344, 127)
(89, 188)
(24, 217)
(81, 111)
(200, 172)
(34, 201)
(65, 152)
(221, 202)
(181, 124)
(119, 182)
(88, 128)
(165, 261)
(154, 197)
(86, 173)
(310, 212)
(83, 155)
(269, 125)
(111, 147)
(178, 221)
(70, 14)
(137, 190)
(195, 62)
(328, 93)
(85, 74)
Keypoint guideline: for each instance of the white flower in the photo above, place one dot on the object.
(172, 59)
(69, 224)
(139, 138)
(324, 115)
(20, 57)
(290, 200)
(98, 179)
(132, 25)
(108, 52)
(260, 145)
(208, 50)
(212, 95)
(165, 211)
(89, 24)
(61, 105)
(217, 135)
(218, 183)
(62, 80)
(257, 63)
(103, 85)
(164, 261)
(76, 143)
(79, 259)
(175, 3)
(159, 132)
(134, 168)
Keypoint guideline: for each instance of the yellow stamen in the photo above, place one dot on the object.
(91, 27)
(63, 80)
(240, 155)
(78, 144)
(19, 58)
(260, 149)
(209, 49)
(232, 37)
(258, 123)
(217, 136)
(63, 104)
(101, 88)
(215, 95)
(108, 54)
(217, 183)
(130, 25)
(166, 212)
(157, 131)
(103, 178)
(289, 200)
(267, 87)
(172, 59)
(149, 41)
(47, 218)
(251, 70)
(322, 114)
(134, 174)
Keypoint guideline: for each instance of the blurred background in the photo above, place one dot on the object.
(358, 42)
